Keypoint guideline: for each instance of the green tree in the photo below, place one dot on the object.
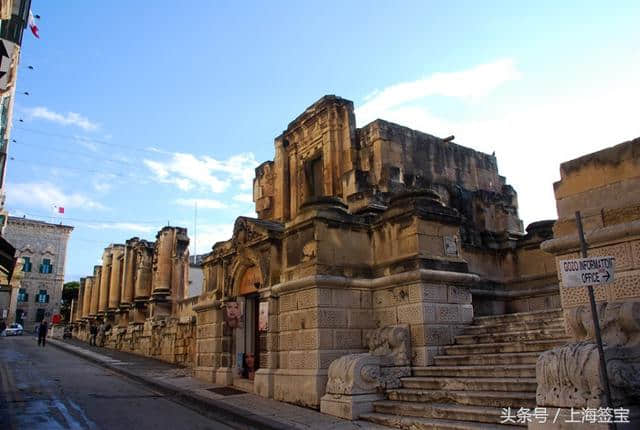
(69, 293)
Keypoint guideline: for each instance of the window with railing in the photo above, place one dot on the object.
(23, 296)
(26, 264)
(42, 297)
(46, 266)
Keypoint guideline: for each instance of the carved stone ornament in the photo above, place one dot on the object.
(569, 376)
(382, 367)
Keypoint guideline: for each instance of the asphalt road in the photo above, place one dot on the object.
(50, 389)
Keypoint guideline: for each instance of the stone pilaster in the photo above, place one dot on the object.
(117, 253)
(105, 280)
(95, 291)
(86, 298)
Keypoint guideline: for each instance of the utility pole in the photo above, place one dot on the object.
(604, 377)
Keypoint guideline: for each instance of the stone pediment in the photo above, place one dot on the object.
(250, 230)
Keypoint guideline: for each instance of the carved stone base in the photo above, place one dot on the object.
(348, 407)
(224, 376)
(263, 382)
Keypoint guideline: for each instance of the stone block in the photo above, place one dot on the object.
(430, 335)
(328, 318)
(424, 355)
(303, 387)
(448, 313)
(385, 317)
(410, 314)
(348, 407)
(466, 314)
(626, 286)
(366, 299)
(457, 294)
(314, 298)
(360, 318)
(288, 302)
(205, 346)
(346, 298)
(348, 339)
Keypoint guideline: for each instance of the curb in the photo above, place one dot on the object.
(211, 408)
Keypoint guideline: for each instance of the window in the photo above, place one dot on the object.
(22, 295)
(42, 297)
(46, 266)
(314, 174)
(26, 264)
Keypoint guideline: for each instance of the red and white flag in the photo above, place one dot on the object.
(33, 26)
(60, 210)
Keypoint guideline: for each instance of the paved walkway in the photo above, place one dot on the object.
(251, 410)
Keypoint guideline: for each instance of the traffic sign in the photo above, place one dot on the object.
(580, 272)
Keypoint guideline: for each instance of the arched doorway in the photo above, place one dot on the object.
(246, 336)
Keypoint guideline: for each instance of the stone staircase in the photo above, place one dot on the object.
(491, 366)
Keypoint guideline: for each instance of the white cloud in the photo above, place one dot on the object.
(187, 171)
(126, 226)
(533, 138)
(208, 235)
(202, 203)
(476, 82)
(45, 195)
(244, 198)
(71, 118)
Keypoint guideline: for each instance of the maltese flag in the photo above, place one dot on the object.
(32, 25)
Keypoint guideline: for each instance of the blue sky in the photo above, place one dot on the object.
(134, 112)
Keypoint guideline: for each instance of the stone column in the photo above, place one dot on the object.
(142, 287)
(95, 291)
(79, 301)
(162, 266)
(128, 280)
(105, 280)
(117, 252)
(86, 300)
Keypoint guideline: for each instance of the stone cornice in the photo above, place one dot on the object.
(327, 281)
(595, 237)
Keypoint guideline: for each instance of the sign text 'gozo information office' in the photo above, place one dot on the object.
(581, 272)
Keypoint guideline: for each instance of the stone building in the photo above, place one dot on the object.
(387, 277)
(141, 295)
(41, 248)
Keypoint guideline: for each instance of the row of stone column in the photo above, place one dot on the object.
(136, 279)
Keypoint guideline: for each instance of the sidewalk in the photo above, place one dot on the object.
(247, 411)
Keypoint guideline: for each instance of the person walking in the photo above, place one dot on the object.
(93, 332)
(42, 333)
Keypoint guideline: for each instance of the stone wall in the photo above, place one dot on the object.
(603, 186)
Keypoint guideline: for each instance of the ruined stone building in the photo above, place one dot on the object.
(41, 248)
(387, 274)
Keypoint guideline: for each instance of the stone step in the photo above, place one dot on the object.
(414, 423)
(447, 411)
(514, 326)
(470, 384)
(493, 348)
(521, 316)
(512, 370)
(487, 359)
(516, 336)
(497, 399)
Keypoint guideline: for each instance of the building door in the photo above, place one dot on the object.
(19, 317)
(39, 315)
(251, 336)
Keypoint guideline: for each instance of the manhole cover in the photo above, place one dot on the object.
(226, 391)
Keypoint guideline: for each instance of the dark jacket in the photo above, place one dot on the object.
(93, 330)
(42, 329)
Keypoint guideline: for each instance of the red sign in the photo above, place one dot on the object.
(56, 319)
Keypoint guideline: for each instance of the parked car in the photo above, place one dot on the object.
(14, 330)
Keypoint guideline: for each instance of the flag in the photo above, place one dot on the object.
(60, 210)
(33, 26)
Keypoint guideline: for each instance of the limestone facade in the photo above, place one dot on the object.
(139, 296)
(360, 229)
(41, 248)
(603, 186)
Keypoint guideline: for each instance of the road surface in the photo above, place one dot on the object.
(50, 389)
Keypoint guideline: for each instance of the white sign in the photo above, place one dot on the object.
(581, 272)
